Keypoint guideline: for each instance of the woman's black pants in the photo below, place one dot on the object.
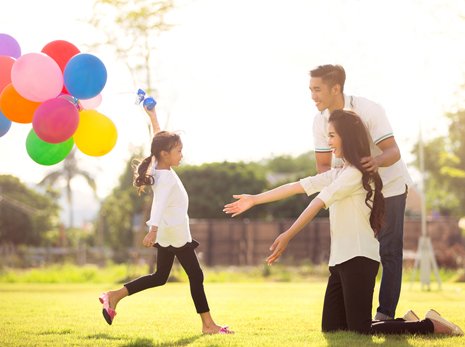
(349, 299)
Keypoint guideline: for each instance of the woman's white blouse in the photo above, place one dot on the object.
(351, 234)
(169, 209)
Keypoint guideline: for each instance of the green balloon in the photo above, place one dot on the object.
(45, 153)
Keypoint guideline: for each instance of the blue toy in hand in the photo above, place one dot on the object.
(148, 102)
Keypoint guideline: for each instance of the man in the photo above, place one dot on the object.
(327, 89)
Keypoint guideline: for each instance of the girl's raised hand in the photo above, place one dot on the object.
(153, 119)
(150, 113)
(244, 202)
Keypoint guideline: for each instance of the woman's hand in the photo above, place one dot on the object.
(149, 239)
(244, 202)
(278, 247)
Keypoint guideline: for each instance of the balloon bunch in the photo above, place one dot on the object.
(57, 90)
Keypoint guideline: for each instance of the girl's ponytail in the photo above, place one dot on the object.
(141, 178)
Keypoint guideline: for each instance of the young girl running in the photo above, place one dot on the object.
(168, 228)
(356, 208)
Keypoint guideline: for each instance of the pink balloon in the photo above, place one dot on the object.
(55, 120)
(37, 77)
(90, 104)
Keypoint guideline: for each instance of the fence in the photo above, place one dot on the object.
(246, 242)
(236, 242)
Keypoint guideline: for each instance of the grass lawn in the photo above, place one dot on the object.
(262, 314)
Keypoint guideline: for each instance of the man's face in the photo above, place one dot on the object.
(323, 95)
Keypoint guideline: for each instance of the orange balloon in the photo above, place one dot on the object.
(5, 70)
(15, 107)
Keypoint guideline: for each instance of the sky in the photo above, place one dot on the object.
(232, 75)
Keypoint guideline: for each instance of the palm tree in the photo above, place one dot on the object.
(68, 172)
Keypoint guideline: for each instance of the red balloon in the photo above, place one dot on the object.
(61, 51)
(55, 120)
(5, 70)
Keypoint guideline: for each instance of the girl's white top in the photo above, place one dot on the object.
(351, 234)
(169, 209)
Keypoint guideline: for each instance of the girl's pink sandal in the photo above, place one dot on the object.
(108, 313)
(225, 330)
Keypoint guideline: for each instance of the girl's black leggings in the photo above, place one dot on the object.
(165, 259)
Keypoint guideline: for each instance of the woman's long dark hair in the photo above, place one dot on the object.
(162, 141)
(355, 146)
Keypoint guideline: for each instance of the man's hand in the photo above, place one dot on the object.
(370, 164)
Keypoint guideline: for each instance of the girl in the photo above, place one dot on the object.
(356, 207)
(168, 228)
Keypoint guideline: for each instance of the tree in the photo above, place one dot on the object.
(25, 215)
(68, 172)
(444, 162)
(210, 186)
(284, 169)
(301, 166)
(131, 29)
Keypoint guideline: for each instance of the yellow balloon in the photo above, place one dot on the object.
(96, 134)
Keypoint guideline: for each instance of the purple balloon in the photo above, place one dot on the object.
(9, 46)
(55, 120)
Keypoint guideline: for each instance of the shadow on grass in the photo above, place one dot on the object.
(103, 336)
(55, 332)
(344, 339)
(143, 342)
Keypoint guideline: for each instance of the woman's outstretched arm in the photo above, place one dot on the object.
(246, 201)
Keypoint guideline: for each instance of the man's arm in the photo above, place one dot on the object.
(389, 156)
(323, 161)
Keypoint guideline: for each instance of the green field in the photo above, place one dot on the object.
(262, 314)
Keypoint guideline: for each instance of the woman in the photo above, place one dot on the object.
(356, 209)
